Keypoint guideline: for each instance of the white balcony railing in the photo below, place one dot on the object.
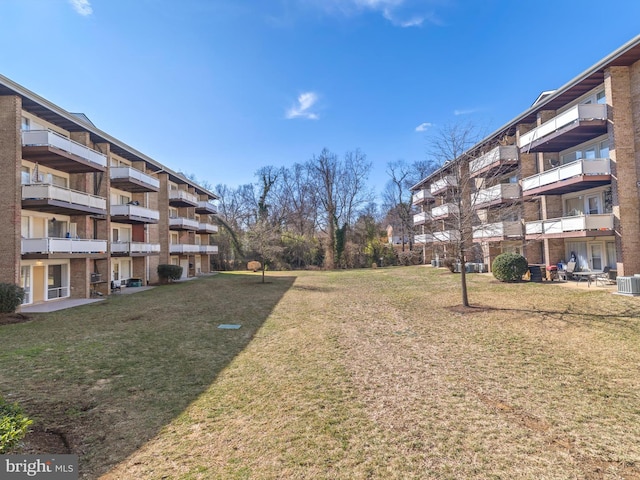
(62, 245)
(500, 192)
(495, 156)
(51, 192)
(207, 205)
(134, 247)
(134, 211)
(184, 248)
(184, 223)
(443, 183)
(208, 228)
(574, 114)
(446, 236)
(183, 196)
(444, 210)
(497, 230)
(54, 139)
(421, 196)
(421, 218)
(208, 249)
(570, 224)
(423, 238)
(596, 166)
(129, 173)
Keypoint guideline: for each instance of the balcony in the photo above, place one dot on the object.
(446, 236)
(423, 239)
(62, 247)
(499, 159)
(133, 214)
(501, 193)
(444, 211)
(206, 207)
(184, 248)
(497, 231)
(132, 180)
(208, 249)
(134, 249)
(207, 228)
(571, 177)
(181, 223)
(422, 196)
(56, 151)
(442, 184)
(421, 218)
(568, 129)
(44, 197)
(575, 226)
(182, 198)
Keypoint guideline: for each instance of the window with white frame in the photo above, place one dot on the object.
(590, 151)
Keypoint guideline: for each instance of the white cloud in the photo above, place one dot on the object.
(401, 13)
(82, 7)
(302, 109)
(423, 127)
(467, 111)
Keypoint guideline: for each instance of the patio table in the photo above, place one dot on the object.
(589, 276)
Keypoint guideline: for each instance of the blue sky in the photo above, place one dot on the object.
(219, 88)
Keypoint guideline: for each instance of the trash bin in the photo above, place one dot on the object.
(535, 273)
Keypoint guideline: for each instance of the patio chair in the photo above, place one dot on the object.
(116, 285)
(604, 278)
(567, 273)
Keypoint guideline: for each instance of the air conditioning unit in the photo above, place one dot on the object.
(628, 285)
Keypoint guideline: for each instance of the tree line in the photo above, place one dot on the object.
(318, 214)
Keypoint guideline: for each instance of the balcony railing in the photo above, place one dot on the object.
(421, 196)
(62, 245)
(37, 138)
(134, 248)
(423, 238)
(208, 249)
(51, 192)
(570, 224)
(205, 206)
(421, 218)
(444, 210)
(444, 183)
(142, 214)
(496, 194)
(596, 166)
(143, 181)
(496, 157)
(183, 197)
(446, 236)
(497, 230)
(207, 228)
(184, 248)
(182, 223)
(576, 114)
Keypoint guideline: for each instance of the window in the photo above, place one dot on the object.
(25, 282)
(573, 206)
(593, 205)
(601, 97)
(595, 250)
(26, 124)
(115, 234)
(25, 230)
(611, 255)
(57, 282)
(25, 176)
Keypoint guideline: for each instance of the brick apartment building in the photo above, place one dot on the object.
(560, 181)
(83, 212)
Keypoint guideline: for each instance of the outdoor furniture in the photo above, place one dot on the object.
(605, 277)
(567, 273)
(588, 275)
(116, 285)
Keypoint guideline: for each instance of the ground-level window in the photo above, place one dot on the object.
(57, 286)
(25, 282)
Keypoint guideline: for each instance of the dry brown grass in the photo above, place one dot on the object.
(377, 374)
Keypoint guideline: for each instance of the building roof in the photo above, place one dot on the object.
(79, 122)
(626, 55)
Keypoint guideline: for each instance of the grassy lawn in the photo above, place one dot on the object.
(349, 374)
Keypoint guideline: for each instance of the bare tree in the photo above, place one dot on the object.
(341, 191)
(397, 198)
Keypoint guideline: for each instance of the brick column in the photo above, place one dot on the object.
(10, 186)
(163, 225)
(622, 88)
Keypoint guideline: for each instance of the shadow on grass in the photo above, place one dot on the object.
(571, 315)
(108, 377)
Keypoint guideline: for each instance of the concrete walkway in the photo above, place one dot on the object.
(55, 305)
